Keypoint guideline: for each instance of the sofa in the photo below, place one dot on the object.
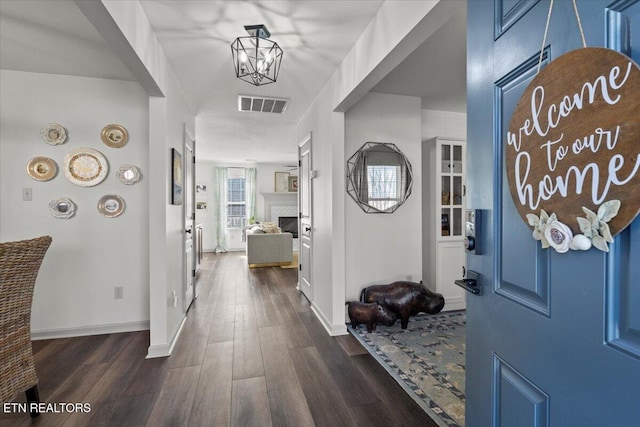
(268, 249)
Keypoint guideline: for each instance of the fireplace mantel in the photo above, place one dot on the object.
(278, 199)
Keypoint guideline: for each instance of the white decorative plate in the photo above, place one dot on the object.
(115, 136)
(85, 167)
(53, 134)
(129, 174)
(111, 205)
(42, 168)
(62, 208)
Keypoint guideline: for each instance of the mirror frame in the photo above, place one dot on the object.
(355, 183)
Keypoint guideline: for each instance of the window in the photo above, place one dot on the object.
(236, 198)
(383, 186)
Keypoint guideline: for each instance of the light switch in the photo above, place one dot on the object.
(26, 194)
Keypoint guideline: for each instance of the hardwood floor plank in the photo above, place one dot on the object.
(247, 359)
(173, 405)
(149, 378)
(130, 411)
(115, 381)
(191, 347)
(296, 334)
(389, 391)
(287, 403)
(319, 387)
(221, 332)
(212, 403)
(266, 314)
(57, 362)
(350, 345)
(110, 348)
(352, 386)
(250, 405)
(284, 310)
(375, 414)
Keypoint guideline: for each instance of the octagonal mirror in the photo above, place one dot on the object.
(379, 177)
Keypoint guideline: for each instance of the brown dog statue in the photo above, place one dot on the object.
(404, 299)
(370, 314)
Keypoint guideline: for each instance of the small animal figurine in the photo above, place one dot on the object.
(404, 299)
(370, 314)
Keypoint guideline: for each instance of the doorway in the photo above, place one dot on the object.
(189, 263)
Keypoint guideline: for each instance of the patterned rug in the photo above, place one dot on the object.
(427, 359)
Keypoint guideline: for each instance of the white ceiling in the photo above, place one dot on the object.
(54, 37)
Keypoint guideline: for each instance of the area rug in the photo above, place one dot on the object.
(294, 261)
(427, 359)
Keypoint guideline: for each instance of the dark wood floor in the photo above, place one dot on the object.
(251, 354)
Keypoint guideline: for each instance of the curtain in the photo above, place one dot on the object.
(250, 192)
(220, 209)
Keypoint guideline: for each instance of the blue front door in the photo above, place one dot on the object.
(554, 339)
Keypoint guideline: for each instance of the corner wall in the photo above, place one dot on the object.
(382, 248)
(90, 253)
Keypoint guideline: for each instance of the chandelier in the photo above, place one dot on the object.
(255, 57)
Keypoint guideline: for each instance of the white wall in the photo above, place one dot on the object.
(443, 123)
(90, 254)
(381, 248)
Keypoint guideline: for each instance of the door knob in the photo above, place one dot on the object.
(188, 230)
(307, 228)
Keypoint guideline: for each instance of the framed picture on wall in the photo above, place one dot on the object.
(201, 188)
(282, 182)
(293, 183)
(176, 177)
(201, 206)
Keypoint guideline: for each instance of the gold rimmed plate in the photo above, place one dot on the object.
(111, 205)
(53, 134)
(85, 167)
(114, 136)
(42, 168)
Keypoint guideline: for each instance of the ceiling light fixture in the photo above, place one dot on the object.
(256, 58)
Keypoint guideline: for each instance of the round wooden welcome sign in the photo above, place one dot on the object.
(574, 142)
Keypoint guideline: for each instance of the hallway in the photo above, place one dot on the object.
(251, 354)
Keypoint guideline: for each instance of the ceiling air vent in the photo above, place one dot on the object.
(262, 105)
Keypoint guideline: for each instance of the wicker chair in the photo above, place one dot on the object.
(19, 265)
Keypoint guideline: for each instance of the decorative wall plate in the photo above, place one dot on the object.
(115, 136)
(54, 134)
(62, 208)
(42, 168)
(129, 174)
(111, 205)
(85, 167)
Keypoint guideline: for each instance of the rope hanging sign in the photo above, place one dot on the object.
(573, 149)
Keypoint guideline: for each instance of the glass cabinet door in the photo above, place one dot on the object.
(452, 190)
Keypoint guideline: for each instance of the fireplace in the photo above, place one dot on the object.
(289, 224)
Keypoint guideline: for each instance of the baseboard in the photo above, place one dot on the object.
(165, 350)
(112, 328)
(455, 304)
(333, 330)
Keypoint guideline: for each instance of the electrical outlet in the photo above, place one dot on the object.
(27, 194)
(118, 292)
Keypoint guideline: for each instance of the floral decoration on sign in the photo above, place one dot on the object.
(594, 227)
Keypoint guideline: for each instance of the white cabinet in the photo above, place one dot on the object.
(443, 209)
